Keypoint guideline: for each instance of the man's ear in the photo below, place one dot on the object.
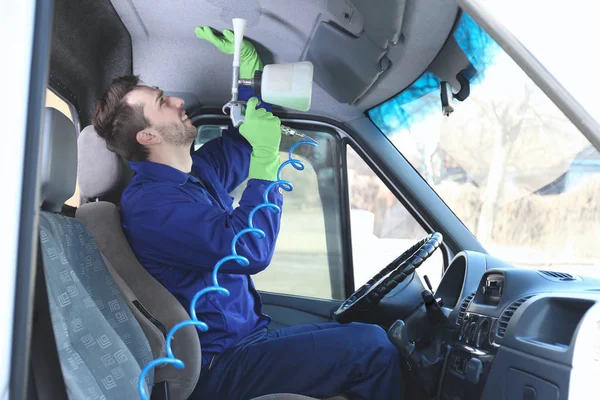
(147, 137)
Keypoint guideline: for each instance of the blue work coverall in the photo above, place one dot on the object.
(180, 225)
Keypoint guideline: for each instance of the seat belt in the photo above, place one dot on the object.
(45, 365)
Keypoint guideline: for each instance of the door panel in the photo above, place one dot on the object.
(287, 310)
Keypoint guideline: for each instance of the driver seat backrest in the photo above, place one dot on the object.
(101, 347)
(101, 174)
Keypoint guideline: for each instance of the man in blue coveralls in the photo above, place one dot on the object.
(178, 217)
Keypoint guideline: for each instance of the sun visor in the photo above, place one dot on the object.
(349, 53)
(382, 19)
(344, 66)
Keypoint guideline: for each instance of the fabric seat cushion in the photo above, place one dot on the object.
(102, 349)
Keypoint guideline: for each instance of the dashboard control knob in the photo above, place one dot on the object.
(473, 370)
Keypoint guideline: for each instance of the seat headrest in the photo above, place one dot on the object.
(101, 172)
(59, 160)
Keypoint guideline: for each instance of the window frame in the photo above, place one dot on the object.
(62, 92)
(342, 139)
(536, 71)
(29, 50)
(396, 192)
(345, 275)
(74, 117)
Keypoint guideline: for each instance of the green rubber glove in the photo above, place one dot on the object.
(249, 60)
(263, 131)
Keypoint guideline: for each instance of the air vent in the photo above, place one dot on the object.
(558, 276)
(463, 308)
(508, 313)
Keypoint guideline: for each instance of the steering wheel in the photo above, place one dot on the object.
(372, 292)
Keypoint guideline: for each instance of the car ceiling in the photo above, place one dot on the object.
(166, 53)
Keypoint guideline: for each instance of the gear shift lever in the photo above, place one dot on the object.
(398, 335)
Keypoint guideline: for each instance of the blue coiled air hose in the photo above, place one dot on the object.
(285, 185)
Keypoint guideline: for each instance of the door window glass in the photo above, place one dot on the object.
(382, 228)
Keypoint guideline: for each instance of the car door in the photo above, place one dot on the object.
(341, 224)
(24, 44)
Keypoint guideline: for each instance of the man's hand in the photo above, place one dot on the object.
(263, 131)
(249, 60)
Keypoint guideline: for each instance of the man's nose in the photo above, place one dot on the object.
(178, 102)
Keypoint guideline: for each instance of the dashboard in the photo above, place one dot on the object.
(515, 333)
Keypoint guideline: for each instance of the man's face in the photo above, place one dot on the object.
(165, 114)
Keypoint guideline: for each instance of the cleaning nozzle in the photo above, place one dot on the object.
(235, 108)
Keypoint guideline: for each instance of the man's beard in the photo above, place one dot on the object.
(177, 134)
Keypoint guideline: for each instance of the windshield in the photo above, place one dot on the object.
(558, 41)
(511, 166)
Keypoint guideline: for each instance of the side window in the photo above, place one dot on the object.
(308, 257)
(52, 100)
(382, 228)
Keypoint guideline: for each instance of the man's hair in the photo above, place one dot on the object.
(119, 122)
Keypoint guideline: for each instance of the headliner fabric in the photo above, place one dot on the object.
(90, 46)
(101, 347)
(166, 53)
